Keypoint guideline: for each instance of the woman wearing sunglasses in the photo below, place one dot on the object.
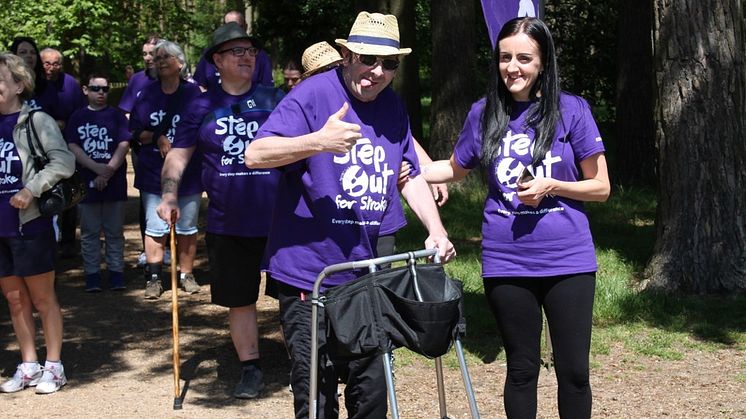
(153, 121)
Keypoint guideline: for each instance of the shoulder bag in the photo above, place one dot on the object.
(64, 194)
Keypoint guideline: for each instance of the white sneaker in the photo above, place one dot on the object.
(142, 260)
(167, 257)
(52, 380)
(27, 375)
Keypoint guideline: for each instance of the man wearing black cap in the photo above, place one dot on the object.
(221, 123)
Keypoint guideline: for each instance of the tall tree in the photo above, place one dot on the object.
(453, 57)
(700, 116)
(634, 149)
(287, 27)
(407, 81)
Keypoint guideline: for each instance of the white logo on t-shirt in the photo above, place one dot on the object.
(509, 168)
(156, 118)
(95, 141)
(8, 155)
(238, 133)
(357, 183)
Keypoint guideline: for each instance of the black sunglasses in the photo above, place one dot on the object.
(240, 51)
(372, 60)
(104, 89)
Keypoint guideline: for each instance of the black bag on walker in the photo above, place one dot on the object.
(380, 311)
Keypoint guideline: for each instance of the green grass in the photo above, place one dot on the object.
(649, 324)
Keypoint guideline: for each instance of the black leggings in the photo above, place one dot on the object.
(568, 302)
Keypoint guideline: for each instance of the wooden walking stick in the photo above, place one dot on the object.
(175, 315)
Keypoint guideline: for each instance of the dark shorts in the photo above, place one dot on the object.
(234, 268)
(31, 254)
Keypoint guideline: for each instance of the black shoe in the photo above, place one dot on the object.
(251, 384)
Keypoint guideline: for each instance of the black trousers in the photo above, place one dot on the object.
(568, 302)
(365, 393)
(68, 223)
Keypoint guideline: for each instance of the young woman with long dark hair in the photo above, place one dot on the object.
(543, 157)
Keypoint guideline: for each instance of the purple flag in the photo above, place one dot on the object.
(497, 12)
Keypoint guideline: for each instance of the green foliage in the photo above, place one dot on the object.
(585, 33)
(106, 35)
(288, 27)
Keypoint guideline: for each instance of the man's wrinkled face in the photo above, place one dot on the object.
(52, 62)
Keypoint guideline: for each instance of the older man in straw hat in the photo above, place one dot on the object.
(220, 123)
(340, 137)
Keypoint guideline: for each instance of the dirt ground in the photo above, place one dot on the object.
(117, 355)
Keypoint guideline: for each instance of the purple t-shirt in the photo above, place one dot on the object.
(554, 238)
(69, 95)
(46, 101)
(150, 108)
(11, 181)
(221, 125)
(99, 133)
(330, 207)
(207, 76)
(136, 84)
(394, 220)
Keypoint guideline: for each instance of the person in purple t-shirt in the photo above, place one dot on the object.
(340, 138)
(157, 112)
(219, 125)
(137, 82)
(544, 157)
(27, 274)
(208, 77)
(142, 78)
(69, 98)
(321, 57)
(44, 97)
(99, 138)
(69, 94)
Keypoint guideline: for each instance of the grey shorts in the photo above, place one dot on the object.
(188, 209)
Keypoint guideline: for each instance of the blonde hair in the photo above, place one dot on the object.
(20, 72)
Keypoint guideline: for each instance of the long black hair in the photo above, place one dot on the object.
(38, 70)
(543, 115)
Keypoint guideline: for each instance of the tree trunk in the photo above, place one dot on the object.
(407, 81)
(454, 48)
(634, 151)
(700, 116)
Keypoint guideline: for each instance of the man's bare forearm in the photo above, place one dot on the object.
(169, 185)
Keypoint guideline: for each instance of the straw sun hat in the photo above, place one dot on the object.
(374, 34)
(319, 56)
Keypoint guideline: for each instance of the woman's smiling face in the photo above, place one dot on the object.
(520, 65)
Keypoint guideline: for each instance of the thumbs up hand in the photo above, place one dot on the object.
(337, 135)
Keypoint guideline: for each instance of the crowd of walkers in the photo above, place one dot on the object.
(299, 177)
